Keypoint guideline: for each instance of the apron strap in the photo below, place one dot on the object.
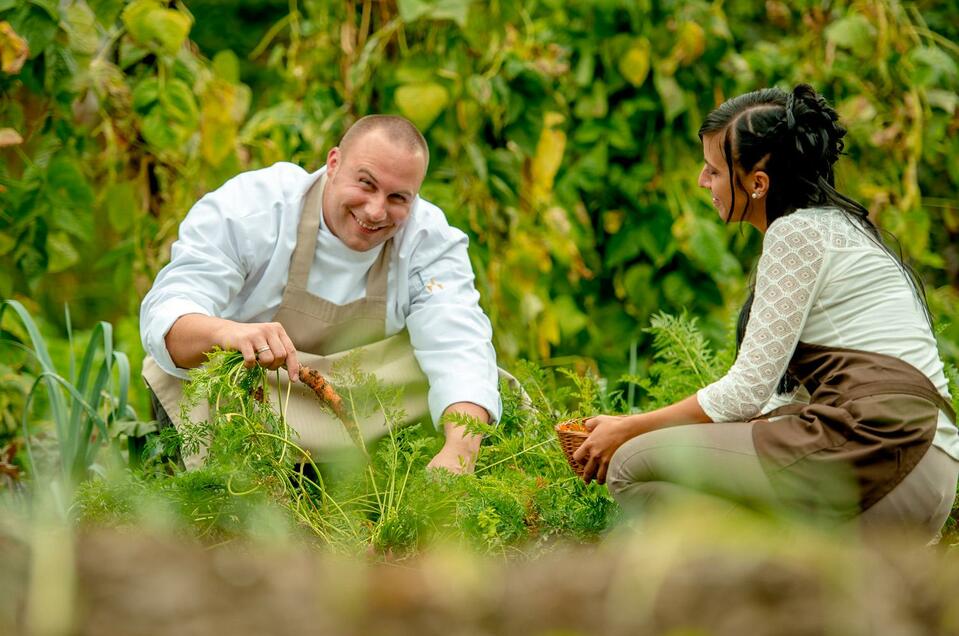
(379, 274)
(306, 233)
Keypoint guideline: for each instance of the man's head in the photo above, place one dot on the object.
(373, 177)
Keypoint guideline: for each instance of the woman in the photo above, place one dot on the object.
(834, 317)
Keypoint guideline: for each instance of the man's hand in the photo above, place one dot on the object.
(263, 343)
(458, 454)
(607, 433)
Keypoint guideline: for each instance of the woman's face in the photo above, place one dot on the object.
(715, 177)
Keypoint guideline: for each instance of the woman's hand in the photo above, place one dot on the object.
(607, 433)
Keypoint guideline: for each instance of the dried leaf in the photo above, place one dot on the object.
(13, 50)
(9, 137)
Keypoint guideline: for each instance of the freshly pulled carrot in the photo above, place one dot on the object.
(327, 395)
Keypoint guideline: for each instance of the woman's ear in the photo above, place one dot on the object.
(758, 184)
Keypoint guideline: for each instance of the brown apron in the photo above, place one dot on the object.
(325, 334)
(870, 419)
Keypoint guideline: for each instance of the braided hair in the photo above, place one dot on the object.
(795, 138)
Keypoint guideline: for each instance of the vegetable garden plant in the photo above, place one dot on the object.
(522, 499)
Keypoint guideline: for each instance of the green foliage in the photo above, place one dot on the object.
(563, 138)
(521, 499)
(87, 404)
(684, 361)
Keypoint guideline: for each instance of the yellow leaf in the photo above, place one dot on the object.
(421, 102)
(690, 44)
(218, 129)
(549, 157)
(9, 137)
(634, 65)
(13, 49)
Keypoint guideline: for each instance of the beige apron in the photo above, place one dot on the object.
(324, 333)
(870, 419)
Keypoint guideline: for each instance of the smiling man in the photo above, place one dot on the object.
(286, 266)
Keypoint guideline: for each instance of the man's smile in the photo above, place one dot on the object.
(366, 227)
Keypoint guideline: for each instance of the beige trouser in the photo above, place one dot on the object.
(719, 462)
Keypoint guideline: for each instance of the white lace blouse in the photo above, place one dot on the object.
(823, 281)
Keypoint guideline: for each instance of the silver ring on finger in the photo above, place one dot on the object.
(262, 349)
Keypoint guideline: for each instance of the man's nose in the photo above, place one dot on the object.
(377, 207)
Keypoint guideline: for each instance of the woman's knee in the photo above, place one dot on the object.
(626, 468)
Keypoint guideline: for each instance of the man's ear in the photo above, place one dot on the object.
(758, 185)
(333, 158)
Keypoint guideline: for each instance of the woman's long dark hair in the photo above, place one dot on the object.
(795, 138)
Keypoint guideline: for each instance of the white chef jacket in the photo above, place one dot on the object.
(232, 258)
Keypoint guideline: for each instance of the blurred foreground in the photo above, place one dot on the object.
(682, 573)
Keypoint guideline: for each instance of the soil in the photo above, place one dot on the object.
(137, 584)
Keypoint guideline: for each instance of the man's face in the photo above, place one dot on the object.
(370, 190)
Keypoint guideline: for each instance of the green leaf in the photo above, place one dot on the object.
(60, 252)
(932, 66)
(35, 26)
(624, 245)
(672, 96)
(156, 27)
(131, 53)
(120, 202)
(656, 234)
(146, 94)
(179, 104)
(639, 287)
(7, 243)
(421, 103)
(107, 11)
(707, 245)
(855, 33)
(67, 187)
(455, 10)
(170, 29)
(677, 290)
(157, 131)
(226, 66)
(569, 316)
(478, 161)
(593, 105)
(82, 27)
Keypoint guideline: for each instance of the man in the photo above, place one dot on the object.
(281, 264)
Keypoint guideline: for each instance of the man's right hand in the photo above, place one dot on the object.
(263, 343)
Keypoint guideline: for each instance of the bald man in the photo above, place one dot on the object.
(288, 266)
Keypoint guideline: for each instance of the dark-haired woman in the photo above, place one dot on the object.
(836, 327)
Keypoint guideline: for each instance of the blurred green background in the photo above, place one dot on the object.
(563, 137)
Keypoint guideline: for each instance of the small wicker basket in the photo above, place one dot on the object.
(571, 439)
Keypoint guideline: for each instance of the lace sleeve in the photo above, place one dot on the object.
(789, 267)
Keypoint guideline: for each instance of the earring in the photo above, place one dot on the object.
(755, 195)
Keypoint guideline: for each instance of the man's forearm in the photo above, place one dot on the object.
(458, 454)
(191, 337)
(263, 343)
(456, 432)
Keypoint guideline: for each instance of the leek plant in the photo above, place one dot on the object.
(87, 403)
